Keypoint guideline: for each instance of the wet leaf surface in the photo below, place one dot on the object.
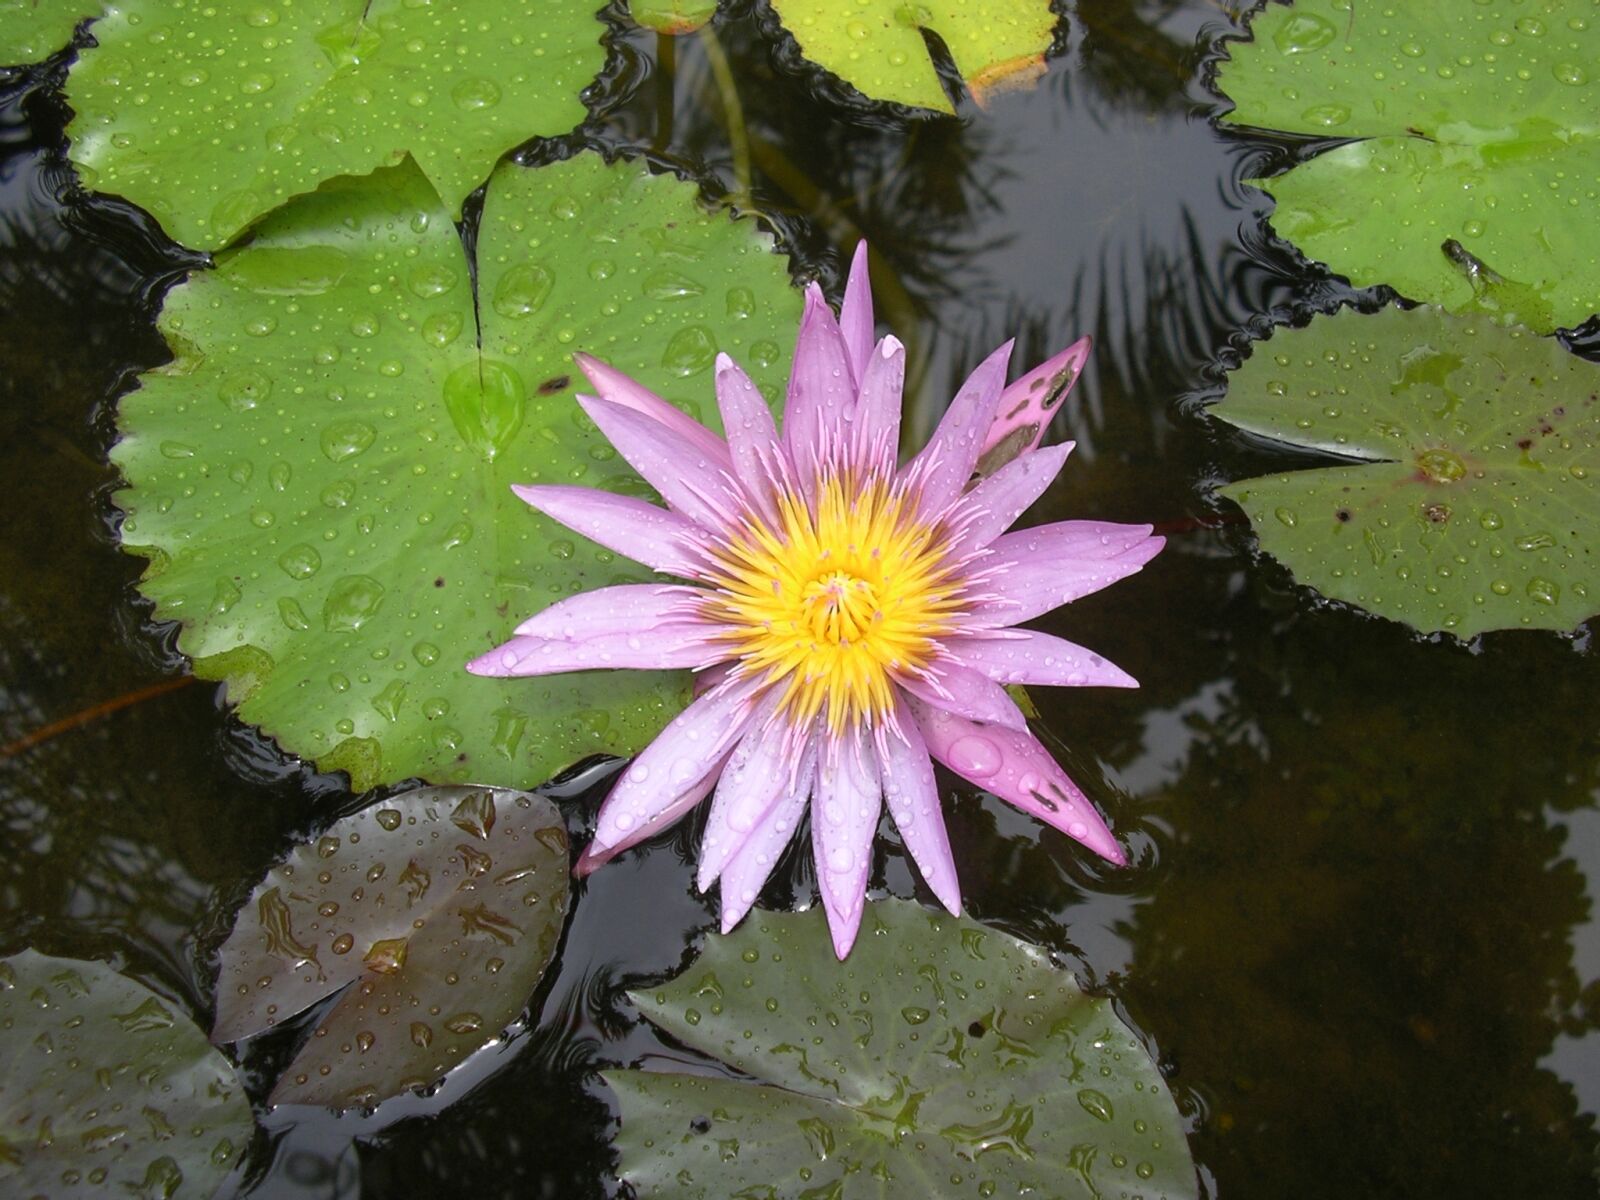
(322, 477)
(1477, 155)
(877, 46)
(31, 30)
(210, 116)
(1477, 507)
(942, 1058)
(107, 1089)
(437, 911)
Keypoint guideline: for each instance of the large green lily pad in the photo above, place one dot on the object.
(1478, 506)
(34, 29)
(321, 478)
(107, 1089)
(208, 116)
(1477, 174)
(435, 913)
(876, 46)
(941, 1058)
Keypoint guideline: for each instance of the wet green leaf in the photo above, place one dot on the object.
(672, 16)
(941, 1058)
(876, 46)
(208, 117)
(31, 30)
(1477, 506)
(108, 1089)
(436, 911)
(1479, 156)
(322, 477)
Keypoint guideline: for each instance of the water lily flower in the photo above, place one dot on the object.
(854, 619)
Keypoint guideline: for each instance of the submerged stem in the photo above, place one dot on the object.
(733, 112)
(93, 713)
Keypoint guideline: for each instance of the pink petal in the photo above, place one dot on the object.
(664, 648)
(1003, 497)
(631, 607)
(946, 462)
(759, 773)
(821, 397)
(1030, 582)
(1015, 767)
(752, 433)
(747, 870)
(1026, 656)
(654, 784)
(960, 689)
(618, 388)
(1084, 540)
(1025, 408)
(594, 856)
(849, 796)
(912, 798)
(688, 480)
(855, 314)
(664, 541)
(877, 418)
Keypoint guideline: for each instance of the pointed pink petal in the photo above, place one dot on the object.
(912, 798)
(689, 481)
(664, 648)
(1015, 767)
(1027, 656)
(1003, 497)
(1025, 408)
(752, 433)
(618, 388)
(594, 856)
(946, 462)
(747, 871)
(697, 740)
(631, 607)
(1084, 540)
(759, 773)
(821, 397)
(960, 689)
(855, 314)
(877, 418)
(1027, 582)
(645, 532)
(849, 797)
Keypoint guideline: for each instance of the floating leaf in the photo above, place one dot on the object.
(877, 47)
(673, 17)
(109, 1089)
(940, 1059)
(210, 116)
(437, 911)
(34, 29)
(1477, 508)
(1480, 151)
(322, 478)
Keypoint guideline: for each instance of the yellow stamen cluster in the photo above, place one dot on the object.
(834, 598)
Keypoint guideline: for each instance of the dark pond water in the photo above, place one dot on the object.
(1358, 930)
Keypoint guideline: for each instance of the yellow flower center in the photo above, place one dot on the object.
(835, 598)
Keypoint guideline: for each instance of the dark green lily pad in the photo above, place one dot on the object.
(876, 46)
(107, 1089)
(210, 116)
(436, 912)
(322, 477)
(1477, 507)
(941, 1058)
(1474, 180)
(31, 30)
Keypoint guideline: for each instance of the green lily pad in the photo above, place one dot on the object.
(1479, 157)
(941, 1058)
(321, 479)
(674, 17)
(31, 30)
(444, 903)
(876, 46)
(1477, 507)
(108, 1089)
(210, 116)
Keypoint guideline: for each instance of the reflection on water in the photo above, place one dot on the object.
(1359, 928)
